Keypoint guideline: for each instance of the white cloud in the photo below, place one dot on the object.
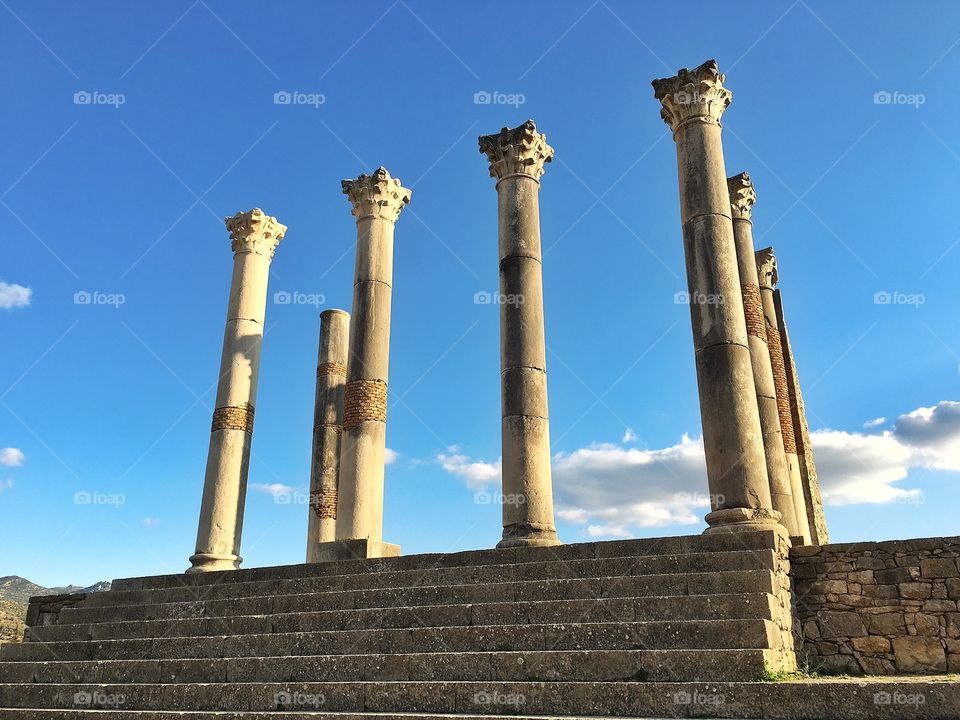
(857, 468)
(875, 423)
(390, 456)
(629, 436)
(5, 485)
(14, 295)
(275, 489)
(933, 433)
(477, 474)
(149, 522)
(11, 457)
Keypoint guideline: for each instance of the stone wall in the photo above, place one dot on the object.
(879, 608)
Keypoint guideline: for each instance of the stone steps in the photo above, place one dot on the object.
(666, 635)
(809, 700)
(713, 583)
(428, 577)
(552, 665)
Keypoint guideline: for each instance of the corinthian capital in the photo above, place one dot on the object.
(255, 232)
(377, 194)
(520, 151)
(693, 95)
(742, 195)
(767, 268)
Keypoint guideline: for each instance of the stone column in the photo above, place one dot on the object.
(517, 159)
(377, 201)
(767, 272)
(693, 103)
(743, 196)
(254, 237)
(327, 426)
(801, 433)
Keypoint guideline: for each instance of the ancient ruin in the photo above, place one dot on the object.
(734, 622)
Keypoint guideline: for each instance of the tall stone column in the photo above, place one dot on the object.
(327, 426)
(693, 102)
(743, 196)
(517, 159)
(254, 237)
(801, 433)
(767, 272)
(377, 201)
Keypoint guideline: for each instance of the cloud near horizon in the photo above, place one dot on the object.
(613, 490)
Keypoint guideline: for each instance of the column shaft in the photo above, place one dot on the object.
(693, 102)
(742, 199)
(255, 237)
(327, 426)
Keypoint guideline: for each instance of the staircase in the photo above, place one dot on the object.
(667, 627)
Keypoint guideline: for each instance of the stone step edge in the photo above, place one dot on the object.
(585, 562)
(728, 623)
(759, 597)
(691, 577)
(676, 544)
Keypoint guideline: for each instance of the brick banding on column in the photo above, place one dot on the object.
(364, 400)
(233, 418)
(331, 368)
(783, 393)
(324, 503)
(753, 310)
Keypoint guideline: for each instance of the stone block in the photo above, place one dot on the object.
(919, 655)
(939, 568)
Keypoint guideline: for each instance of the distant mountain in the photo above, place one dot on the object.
(16, 591)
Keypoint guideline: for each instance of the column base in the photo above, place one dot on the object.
(527, 535)
(742, 520)
(213, 562)
(362, 549)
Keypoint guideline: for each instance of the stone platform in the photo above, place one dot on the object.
(668, 627)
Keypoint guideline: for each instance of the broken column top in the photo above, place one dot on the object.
(255, 231)
(520, 151)
(743, 195)
(693, 95)
(378, 194)
(767, 268)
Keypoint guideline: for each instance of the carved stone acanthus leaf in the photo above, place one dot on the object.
(255, 231)
(742, 195)
(520, 151)
(767, 268)
(696, 94)
(378, 194)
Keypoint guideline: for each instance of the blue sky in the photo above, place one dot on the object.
(124, 196)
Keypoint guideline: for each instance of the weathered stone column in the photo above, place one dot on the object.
(693, 103)
(517, 158)
(327, 426)
(801, 432)
(377, 201)
(743, 196)
(254, 237)
(767, 272)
